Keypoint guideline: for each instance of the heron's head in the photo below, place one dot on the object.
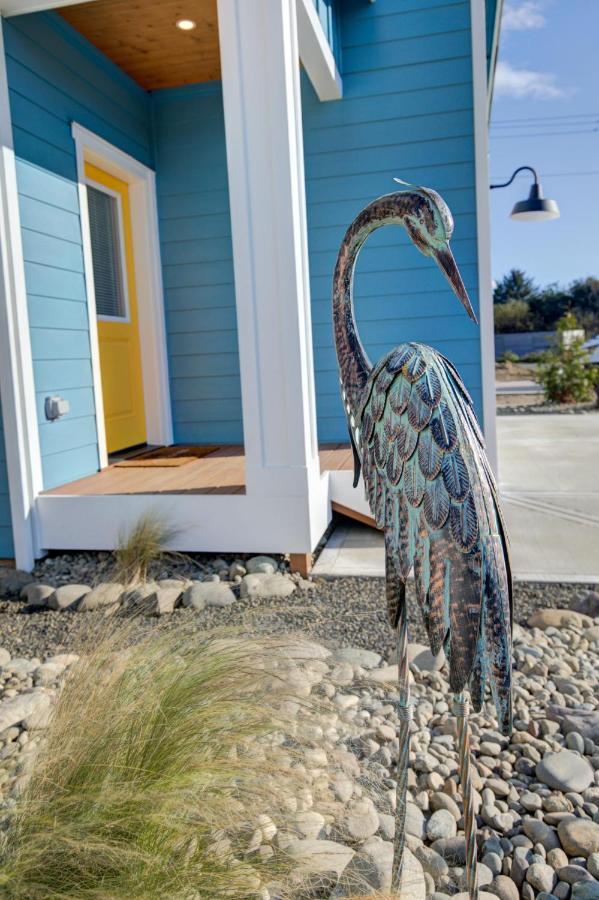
(430, 225)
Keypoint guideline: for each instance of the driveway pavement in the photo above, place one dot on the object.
(549, 479)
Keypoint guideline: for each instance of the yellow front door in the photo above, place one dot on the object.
(116, 309)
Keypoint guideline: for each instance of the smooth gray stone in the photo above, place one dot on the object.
(579, 837)
(67, 595)
(565, 771)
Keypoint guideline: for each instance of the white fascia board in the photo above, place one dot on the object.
(494, 53)
(20, 7)
(316, 54)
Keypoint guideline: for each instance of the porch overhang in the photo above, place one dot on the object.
(315, 52)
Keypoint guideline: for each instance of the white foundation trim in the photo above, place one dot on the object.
(483, 226)
(316, 54)
(148, 280)
(23, 459)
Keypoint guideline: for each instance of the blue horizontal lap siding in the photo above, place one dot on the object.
(56, 77)
(406, 111)
(6, 542)
(197, 261)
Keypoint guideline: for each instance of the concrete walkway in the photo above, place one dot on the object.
(517, 387)
(549, 479)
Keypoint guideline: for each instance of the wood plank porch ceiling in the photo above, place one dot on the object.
(141, 37)
(221, 472)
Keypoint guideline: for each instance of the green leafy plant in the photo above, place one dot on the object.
(152, 776)
(510, 357)
(145, 543)
(564, 371)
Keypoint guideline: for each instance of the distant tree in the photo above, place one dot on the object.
(549, 306)
(511, 316)
(544, 306)
(564, 371)
(516, 285)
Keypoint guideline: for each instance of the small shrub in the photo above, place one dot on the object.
(564, 371)
(510, 357)
(143, 544)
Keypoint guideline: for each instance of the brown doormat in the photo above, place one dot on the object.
(175, 455)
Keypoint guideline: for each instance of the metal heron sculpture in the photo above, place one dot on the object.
(429, 485)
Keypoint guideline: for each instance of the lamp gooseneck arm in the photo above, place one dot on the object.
(520, 169)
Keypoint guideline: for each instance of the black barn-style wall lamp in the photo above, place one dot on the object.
(536, 208)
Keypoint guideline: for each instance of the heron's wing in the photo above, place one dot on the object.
(430, 489)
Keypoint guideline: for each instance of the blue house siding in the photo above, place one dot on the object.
(407, 111)
(197, 260)
(6, 544)
(56, 77)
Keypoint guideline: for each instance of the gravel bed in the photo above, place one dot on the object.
(339, 612)
(539, 409)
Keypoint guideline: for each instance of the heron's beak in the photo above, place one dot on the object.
(447, 264)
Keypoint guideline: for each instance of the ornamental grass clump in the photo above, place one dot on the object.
(154, 772)
(143, 544)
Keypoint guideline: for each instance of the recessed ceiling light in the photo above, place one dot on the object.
(185, 24)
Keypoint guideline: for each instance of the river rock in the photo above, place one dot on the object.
(361, 819)
(558, 618)
(12, 581)
(583, 721)
(504, 888)
(165, 600)
(103, 595)
(579, 837)
(320, 857)
(32, 708)
(262, 565)
(67, 595)
(356, 656)
(585, 890)
(565, 771)
(423, 659)
(541, 877)
(588, 604)
(36, 595)
(264, 585)
(453, 850)
(4, 657)
(441, 825)
(208, 593)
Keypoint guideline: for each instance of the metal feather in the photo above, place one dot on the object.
(419, 413)
(430, 456)
(414, 482)
(429, 388)
(464, 523)
(455, 475)
(436, 504)
(443, 427)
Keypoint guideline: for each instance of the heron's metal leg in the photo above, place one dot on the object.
(403, 760)
(461, 710)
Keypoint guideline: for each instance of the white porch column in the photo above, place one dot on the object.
(262, 103)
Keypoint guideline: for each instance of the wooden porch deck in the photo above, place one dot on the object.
(220, 472)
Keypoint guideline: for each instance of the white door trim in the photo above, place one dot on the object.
(19, 409)
(148, 279)
(483, 225)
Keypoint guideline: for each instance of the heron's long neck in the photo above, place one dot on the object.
(354, 365)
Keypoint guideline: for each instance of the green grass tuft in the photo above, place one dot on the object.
(145, 543)
(152, 776)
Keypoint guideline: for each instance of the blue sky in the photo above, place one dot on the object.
(546, 114)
